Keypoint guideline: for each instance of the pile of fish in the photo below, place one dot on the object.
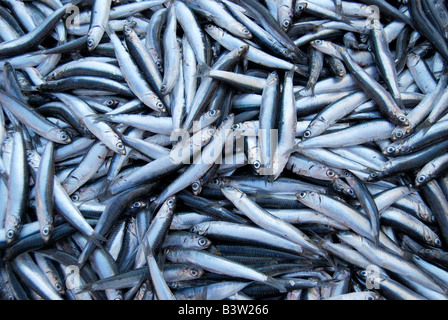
(224, 149)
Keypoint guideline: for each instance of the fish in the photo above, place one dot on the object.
(211, 150)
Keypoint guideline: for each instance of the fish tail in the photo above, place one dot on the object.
(106, 193)
(278, 284)
(153, 206)
(98, 117)
(96, 238)
(319, 241)
(203, 70)
(84, 288)
(109, 30)
(346, 20)
(425, 125)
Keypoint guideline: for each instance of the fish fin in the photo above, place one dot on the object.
(30, 88)
(203, 70)
(305, 92)
(300, 71)
(75, 2)
(218, 204)
(12, 118)
(296, 148)
(339, 9)
(4, 176)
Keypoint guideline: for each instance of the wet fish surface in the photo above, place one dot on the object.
(234, 149)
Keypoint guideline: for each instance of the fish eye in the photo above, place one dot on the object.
(399, 134)
(212, 113)
(369, 298)
(300, 7)
(159, 64)
(246, 31)
(437, 242)
(302, 194)
(390, 150)
(318, 42)
(215, 181)
(286, 23)
(29, 154)
(63, 135)
(307, 134)
(159, 105)
(110, 103)
(119, 146)
(195, 186)
(137, 204)
(45, 231)
(363, 273)
(10, 234)
(202, 242)
(330, 173)
(75, 197)
(194, 272)
(236, 126)
(350, 192)
(194, 229)
(170, 203)
(90, 42)
(421, 178)
(257, 165)
(402, 119)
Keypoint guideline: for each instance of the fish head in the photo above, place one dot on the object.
(431, 238)
(193, 272)
(399, 132)
(196, 187)
(231, 193)
(200, 228)
(315, 128)
(309, 198)
(197, 241)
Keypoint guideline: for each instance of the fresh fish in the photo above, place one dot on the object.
(217, 149)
